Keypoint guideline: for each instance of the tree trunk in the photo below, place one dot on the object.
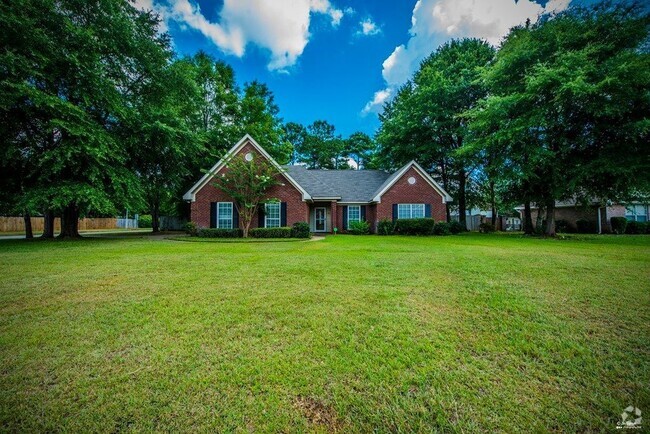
(528, 219)
(462, 204)
(540, 216)
(493, 203)
(445, 185)
(48, 224)
(550, 218)
(29, 234)
(70, 222)
(155, 218)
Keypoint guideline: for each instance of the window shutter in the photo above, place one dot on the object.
(235, 217)
(427, 210)
(345, 217)
(283, 214)
(394, 211)
(363, 213)
(260, 216)
(213, 214)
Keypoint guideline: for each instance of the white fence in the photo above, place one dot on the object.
(127, 223)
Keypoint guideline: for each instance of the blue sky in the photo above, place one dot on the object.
(336, 60)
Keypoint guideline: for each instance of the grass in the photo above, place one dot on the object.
(471, 333)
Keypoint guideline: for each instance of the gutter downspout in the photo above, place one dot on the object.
(600, 223)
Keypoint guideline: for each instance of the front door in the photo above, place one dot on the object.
(321, 219)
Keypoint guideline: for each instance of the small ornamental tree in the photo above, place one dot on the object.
(247, 183)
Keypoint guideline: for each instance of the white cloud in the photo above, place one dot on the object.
(280, 26)
(374, 106)
(368, 27)
(436, 21)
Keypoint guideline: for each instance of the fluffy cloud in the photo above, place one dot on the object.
(368, 27)
(280, 26)
(381, 96)
(436, 21)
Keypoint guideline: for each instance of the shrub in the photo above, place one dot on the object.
(486, 228)
(145, 221)
(563, 227)
(456, 227)
(219, 233)
(190, 228)
(442, 228)
(361, 227)
(300, 230)
(385, 227)
(420, 226)
(618, 224)
(585, 226)
(283, 232)
(636, 227)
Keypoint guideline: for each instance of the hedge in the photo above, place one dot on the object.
(419, 226)
(456, 227)
(283, 232)
(359, 227)
(219, 233)
(385, 227)
(300, 230)
(636, 228)
(618, 224)
(586, 226)
(145, 221)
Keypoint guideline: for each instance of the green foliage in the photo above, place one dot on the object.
(419, 226)
(360, 147)
(619, 225)
(385, 227)
(563, 227)
(456, 227)
(442, 228)
(218, 233)
(283, 232)
(300, 230)
(634, 227)
(584, 226)
(144, 221)
(486, 228)
(360, 227)
(190, 228)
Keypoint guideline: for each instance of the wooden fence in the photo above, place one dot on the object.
(17, 224)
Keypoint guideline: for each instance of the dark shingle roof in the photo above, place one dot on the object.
(349, 185)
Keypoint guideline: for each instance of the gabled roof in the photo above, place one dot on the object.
(392, 179)
(349, 186)
(191, 193)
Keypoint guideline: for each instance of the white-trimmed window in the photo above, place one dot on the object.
(272, 215)
(224, 215)
(354, 213)
(637, 213)
(410, 210)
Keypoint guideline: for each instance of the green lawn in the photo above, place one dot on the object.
(352, 334)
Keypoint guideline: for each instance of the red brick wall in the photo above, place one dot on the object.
(403, 192)
(297, 210)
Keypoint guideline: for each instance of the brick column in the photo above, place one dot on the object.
(335, 214)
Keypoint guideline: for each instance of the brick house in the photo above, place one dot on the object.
(596, 213)
(326, 199)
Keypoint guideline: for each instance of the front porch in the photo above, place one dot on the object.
(323, 217)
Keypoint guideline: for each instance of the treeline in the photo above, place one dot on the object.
(560, 111)
(97, 114)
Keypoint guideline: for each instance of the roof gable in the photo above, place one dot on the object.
(397, 175)
(247, 139)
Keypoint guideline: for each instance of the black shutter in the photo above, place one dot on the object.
(213, 214)
(235, 217)
(363, 213)
(427, 210)
(283, 214)
(394, 211)
(345, 217)
(260, 216)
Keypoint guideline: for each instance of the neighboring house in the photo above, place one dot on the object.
(327, 199)
(594, 212)
(475, 216)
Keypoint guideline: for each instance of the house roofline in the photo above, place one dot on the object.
(445, 196)
(191, 193)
